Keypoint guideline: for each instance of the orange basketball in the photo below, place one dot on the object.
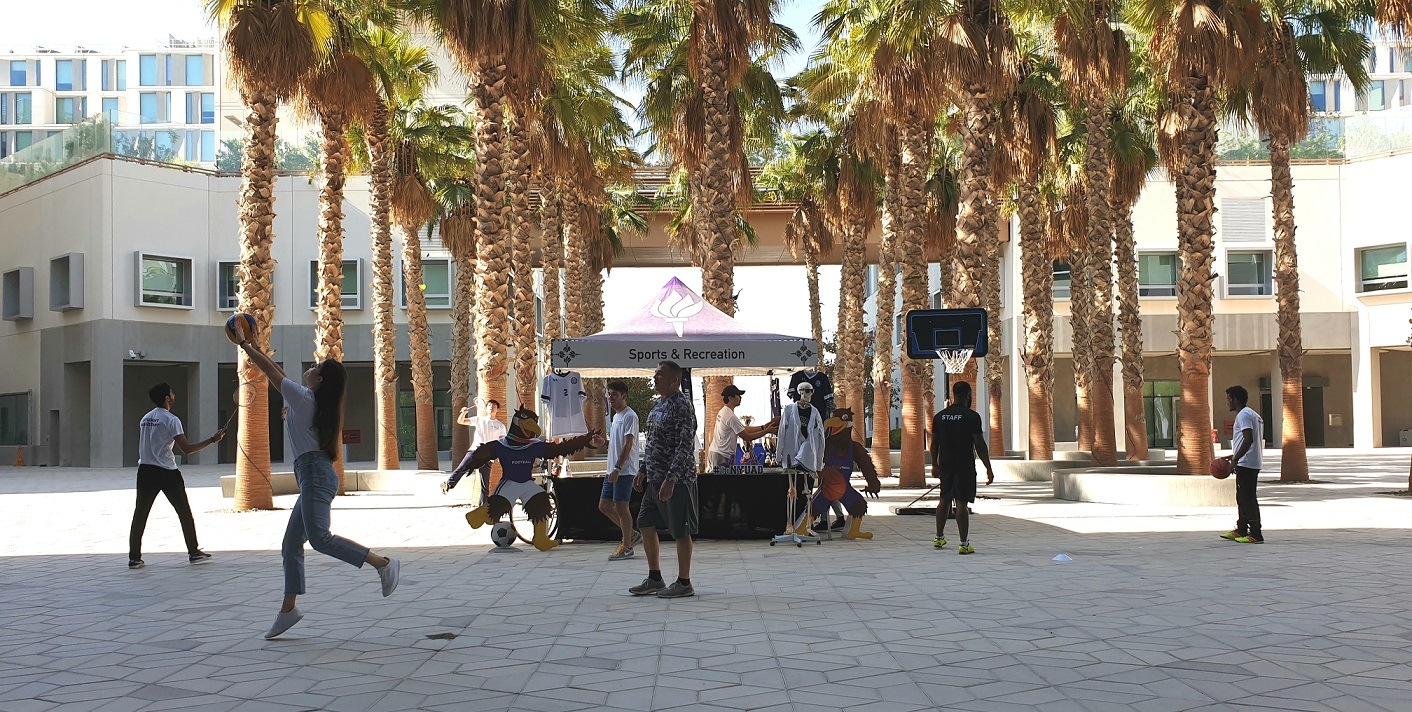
(1221, 468)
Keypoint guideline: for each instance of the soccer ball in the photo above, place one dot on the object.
(503, 535)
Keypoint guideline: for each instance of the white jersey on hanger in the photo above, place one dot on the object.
(563, 398)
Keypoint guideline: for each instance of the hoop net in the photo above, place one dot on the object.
(954, 360)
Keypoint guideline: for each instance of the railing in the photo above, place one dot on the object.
(1331, 138)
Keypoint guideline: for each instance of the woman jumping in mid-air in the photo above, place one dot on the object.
(315, 419)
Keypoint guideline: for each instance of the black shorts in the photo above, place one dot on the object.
(958, 483)
(678, 516)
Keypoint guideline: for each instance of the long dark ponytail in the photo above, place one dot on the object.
(328, 406)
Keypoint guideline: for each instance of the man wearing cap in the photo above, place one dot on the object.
(729, 428)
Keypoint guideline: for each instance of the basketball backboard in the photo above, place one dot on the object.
(933, 330)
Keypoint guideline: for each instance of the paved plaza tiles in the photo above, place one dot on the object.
(1154, 612)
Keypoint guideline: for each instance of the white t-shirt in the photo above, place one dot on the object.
(1249, 419)
(300, 420)
(728, 428)
(157, 433)
(487, 429)
(563, 398)
(624, 426)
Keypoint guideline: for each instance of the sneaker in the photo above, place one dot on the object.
(677, 590)
(198, 557)
(136, 563)
(283, 622)
(648, 587)
(620, 553)
(1248, 540)
(1232, 535)
(966, 549)
(389, 575)
(444, 488)
(636, 539)
(939, 542)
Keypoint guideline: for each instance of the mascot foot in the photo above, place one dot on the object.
(855, 530)
(478, 517)
(541, 537)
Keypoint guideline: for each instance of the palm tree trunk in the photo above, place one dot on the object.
(996, 360)
(551, 232)
(256, 214)
(1038, 284)
(974, 221)
(811, 276)
(1196, 195)
(1294, 461)
(522, 266)
(1130, 320)
(462, 301)
(1080, 316)
(914, 138)
(419, 341)
(328, 318)
(714, 200)
(492, 247)
(856, 238)
(578, 319)
(886, 308)
(1098, 176)
(384, 331)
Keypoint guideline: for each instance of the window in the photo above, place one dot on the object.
(4, 109)
(196, 70)
(870, 280)
(14, 419)
(227, 285)
(352, 284)
(1248, 274)
(1318, 101)
(1157, 274)
(1382, 268)
(163, 281)
(436, 278)
(17, 294)
(69, 110)
(147, 70)
(208, 146)
(936, 299)
(23, 108)
(1160, 400)
(23, 140)
(208, 108)
(167, 69)
(147, 103)
(19, 73)
(407, 421)
(1377, 100)
(106, 82)
(1407, 60)
(64, 75)
(120, 77)
(1063, 281)
(898, 326)
(66, 282)
(110, 109)
(200, 108)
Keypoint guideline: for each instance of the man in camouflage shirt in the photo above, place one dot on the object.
(668, 488)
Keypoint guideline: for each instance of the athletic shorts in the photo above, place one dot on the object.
(958, 484)
(678, 516)
(523, 491)
(620, 491)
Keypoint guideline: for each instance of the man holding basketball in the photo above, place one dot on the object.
(956, 440)
(1247, 449)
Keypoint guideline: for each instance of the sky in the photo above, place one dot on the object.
(771, 299)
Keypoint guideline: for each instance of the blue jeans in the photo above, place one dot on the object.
(309, 521)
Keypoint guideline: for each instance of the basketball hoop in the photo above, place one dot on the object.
(954, 360)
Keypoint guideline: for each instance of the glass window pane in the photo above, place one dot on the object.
(106, 83)
(208, 146)
(208, 108)
(110, 109)
(1063, 281)
(148, 108)
(436, 276)
(1168, 388)
(64, 75)
(1248, 273)
(14, 419)
(147, 70)
(1384, 268)
(228, 282)
(63, 111)
(23, 109)
(19, 73)
(350, 278)
(1375, 96)
(122, 75)
(163, 281)
(23, 140)
(1317, 99)
(195, 70)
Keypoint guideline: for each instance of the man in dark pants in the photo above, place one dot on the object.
(669, 499)
(1247, 450)
(159, 433)
(956, 440)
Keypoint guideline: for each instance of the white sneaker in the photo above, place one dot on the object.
(283, 622)
(389, 574)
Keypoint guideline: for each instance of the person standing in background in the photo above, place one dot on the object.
(614, 502)
(160, 433)
(1247, 450)
(487, 428)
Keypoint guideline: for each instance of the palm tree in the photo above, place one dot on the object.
(1300, 37)
(270, 46)
(1093, 60)
(457, 228)
(1199, 47)
(1395, 13)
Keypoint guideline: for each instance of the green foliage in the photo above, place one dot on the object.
(288, 156)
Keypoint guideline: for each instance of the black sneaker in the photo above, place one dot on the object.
(648, 587)
(677, 590)
(198, 557)
(136, 563)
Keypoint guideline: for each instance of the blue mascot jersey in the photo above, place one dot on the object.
(517, 461)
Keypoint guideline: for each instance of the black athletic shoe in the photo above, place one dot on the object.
(677, 590)
(198, 557)
(135, 563)
(648, 587)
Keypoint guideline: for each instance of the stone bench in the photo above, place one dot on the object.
(1151, 485)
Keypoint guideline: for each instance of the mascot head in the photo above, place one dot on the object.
(524, 425)
(839, 428)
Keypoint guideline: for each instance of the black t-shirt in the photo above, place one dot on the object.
(805, 414)
(954, 432)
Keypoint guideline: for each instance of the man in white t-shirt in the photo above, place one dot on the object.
(488, 428)
(614, 502)
(159, 434)
(1247, 449)
(730, 428)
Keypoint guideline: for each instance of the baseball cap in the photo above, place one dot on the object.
(731, 391)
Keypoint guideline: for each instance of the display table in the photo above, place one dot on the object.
(732, 507)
